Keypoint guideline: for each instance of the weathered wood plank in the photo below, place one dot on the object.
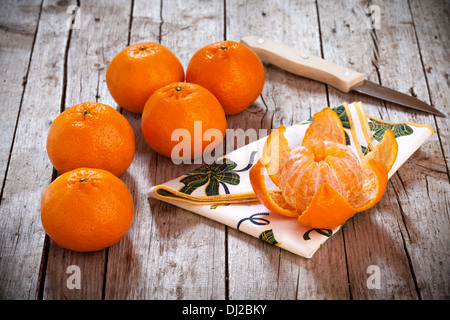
(391, 228)
(30, 171)
(171, 253)
(430, 24)
(370, 238)
(103, 29)
(193, 264)
(422, 189)
(128, 262)
(431, 21)
(17, 31)
(430, 242)
(286, 100)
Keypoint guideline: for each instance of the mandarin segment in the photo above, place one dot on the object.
(375, 182)
(308, 167)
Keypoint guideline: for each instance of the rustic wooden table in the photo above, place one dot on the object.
(170, 253)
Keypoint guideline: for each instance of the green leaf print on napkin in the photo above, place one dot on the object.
(379, 128)
(214, 175)
(342, 113)
(268, 237)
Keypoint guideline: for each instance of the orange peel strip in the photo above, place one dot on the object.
(375, 182)
(275, 150)
(386, 151)
(320, 211)
(259, 186)
(327, 126)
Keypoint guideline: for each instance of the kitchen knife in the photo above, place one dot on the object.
(339, 77)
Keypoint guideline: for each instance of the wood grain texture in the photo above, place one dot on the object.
(188, 249)
(179, 255)
(170, 253)
(422, 207)
(372, 238)
(392, 226)
(17, 34)
(30, 171)
(286, 99)
(433, 39)
(426, 194)
(85, 68)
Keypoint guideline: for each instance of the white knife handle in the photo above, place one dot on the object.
(304, 64)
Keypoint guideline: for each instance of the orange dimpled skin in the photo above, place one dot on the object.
(91, 135)
(231, 71)
(174, 109)
(138, 71)
(86, 210)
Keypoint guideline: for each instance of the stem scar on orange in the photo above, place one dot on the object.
(93, 135)
(322, 182)
(86, 210)
(231, 71)
(138, 71)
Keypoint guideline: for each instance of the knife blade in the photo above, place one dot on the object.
(339, 77)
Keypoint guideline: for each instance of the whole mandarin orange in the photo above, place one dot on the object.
(86, 210)
(138, 71)
(93, 135)
(231, 71)
(178, 106)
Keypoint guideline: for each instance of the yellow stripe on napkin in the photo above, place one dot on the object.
(165, 192)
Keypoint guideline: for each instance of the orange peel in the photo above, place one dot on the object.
(386, 151)
(274, 200)
(326, 126)
(328, 208)
(275, 150)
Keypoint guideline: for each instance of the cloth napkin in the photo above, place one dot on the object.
(222, 191)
